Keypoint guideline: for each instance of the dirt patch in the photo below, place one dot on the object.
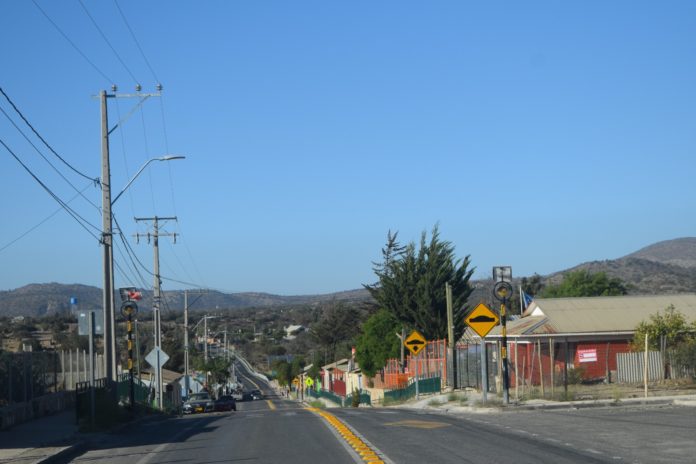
(603, 391)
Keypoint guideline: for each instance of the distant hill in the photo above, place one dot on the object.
(678, 252)
(664, 267)
(47, 299)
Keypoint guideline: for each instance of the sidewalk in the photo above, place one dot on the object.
(474, 403)
(39, 440)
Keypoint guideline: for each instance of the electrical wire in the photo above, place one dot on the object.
(142, 53)
(7, 245)
(26, 121)
(46, 159)
(131, 253)
(188, 250)
(77, 49)
(147, 155)
(181, 264)
(80, 220)
(132, 274)
(123, 152)
(107, 42)
(129, 262)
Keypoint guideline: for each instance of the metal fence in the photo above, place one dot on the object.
(343, 401)
(631, 367)
(28, 375)
(431, 385)
(468, 370)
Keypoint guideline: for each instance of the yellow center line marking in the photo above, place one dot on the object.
(366, 451)
(270, 404)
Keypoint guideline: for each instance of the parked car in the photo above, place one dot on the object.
(225, 403)
(199, 402)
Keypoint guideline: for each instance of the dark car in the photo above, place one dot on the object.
(199, 402)
(225, 403)
(256, 395)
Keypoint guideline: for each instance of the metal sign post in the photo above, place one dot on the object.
(91, 323)
(415, 342)
(91, 368)
(482, 320)
(157, 358)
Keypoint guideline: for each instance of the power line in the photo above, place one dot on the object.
(7, 245)
(142, 53)
(123, 153)
(80, 220)
(7, 97)
(46, 159)
(147, 154)
(107, 42)
(77, 49)
(131, 253)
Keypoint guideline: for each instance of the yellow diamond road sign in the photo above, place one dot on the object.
(415, 342)
(482, 320)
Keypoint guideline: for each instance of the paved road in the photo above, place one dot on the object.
(257, 432)
(617, 435)
(275, 430)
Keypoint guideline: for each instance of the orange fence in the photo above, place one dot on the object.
(430, 362)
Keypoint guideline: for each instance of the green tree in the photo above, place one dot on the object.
(532, 285)
(671, 325)
(412, 282)
(378, 342)
(584, 283)
(336, 328)
(672, 328)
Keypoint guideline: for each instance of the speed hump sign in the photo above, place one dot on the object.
(415, 342)
(482, 320)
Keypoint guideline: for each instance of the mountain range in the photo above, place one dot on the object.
(662, 268)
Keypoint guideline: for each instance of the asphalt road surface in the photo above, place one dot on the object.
(602, 435)
(260, 431)
(276, 430)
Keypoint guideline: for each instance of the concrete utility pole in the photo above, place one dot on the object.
(107, 242)
(107, 227)
(205, 339)
(187, 380)
(156, 299)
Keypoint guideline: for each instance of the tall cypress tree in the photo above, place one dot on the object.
(412, 282)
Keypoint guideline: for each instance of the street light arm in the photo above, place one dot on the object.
(142, 168)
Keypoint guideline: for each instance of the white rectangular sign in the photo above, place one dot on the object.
(587, 355)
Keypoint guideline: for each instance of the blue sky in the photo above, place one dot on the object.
(536, 134)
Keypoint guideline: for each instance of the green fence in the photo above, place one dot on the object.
(431, 385)
(343, 402)
(140, 390)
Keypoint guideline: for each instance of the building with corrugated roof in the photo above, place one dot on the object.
(587, 333)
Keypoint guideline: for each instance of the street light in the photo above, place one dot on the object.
(162, 158)
(107, 243)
